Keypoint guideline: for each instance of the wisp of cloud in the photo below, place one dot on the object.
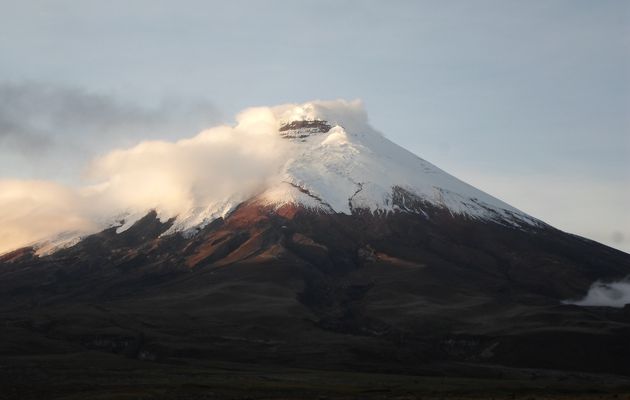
(615, 294)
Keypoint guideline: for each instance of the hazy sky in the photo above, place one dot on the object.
(528, 100)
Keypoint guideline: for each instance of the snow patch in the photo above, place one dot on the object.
(289, 193)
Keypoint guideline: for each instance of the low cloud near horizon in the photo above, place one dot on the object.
(600, 294)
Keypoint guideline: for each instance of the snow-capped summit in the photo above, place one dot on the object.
(339, 163)
(323, 156)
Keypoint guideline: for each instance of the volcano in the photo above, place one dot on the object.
(355, 256)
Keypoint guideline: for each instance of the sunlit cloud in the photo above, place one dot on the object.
(32, 211)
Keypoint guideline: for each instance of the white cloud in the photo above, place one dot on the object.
(615, 294)
(175, 177)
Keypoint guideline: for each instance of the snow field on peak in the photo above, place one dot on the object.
(351, 170)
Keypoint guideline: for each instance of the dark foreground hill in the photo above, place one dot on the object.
(292, 303)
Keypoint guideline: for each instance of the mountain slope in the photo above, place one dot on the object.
(383, 292)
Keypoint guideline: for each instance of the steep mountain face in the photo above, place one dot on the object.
(357, 255)
(342, 170)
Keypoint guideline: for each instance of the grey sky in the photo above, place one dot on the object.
(528, 100)
(63, 127)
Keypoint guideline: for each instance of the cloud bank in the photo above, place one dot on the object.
(615, 294)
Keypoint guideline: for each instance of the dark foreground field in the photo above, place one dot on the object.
(95, 375)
